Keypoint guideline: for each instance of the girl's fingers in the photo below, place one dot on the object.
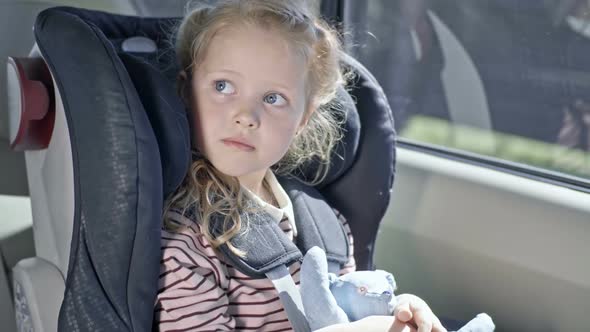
(422, 319)
(399, 326)
(438, 327)
(424, 326)
(436, 324)
(425, 320)
(402, 312)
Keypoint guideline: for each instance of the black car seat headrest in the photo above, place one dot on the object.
(130, 144)
(167, 117)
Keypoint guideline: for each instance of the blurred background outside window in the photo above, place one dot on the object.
(504, 79)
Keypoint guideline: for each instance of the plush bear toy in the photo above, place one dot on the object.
(329, 299)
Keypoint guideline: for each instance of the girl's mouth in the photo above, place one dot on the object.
(238, 144)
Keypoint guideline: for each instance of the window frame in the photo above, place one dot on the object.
(515, 168)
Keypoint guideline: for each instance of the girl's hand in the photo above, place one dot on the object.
(371, 324)
(413, 311)
(383, 324)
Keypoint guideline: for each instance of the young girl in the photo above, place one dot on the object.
(257, 77)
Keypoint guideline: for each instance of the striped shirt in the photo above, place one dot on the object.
(199, 290)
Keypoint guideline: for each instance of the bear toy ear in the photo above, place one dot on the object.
(390, 280)
(319, 304)
(389, 277)
(393, 301)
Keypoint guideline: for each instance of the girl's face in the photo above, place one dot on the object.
(248, 101)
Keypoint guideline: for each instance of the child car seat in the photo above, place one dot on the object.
(120, 144)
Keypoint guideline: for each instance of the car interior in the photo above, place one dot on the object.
(466, 230)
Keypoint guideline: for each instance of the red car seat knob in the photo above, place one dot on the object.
(31, 105)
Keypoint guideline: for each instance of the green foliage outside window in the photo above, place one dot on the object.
(514, 148)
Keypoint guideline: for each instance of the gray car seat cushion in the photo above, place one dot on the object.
(118, 188)
(166, 114)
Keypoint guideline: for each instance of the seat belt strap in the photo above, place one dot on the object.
(290, 297)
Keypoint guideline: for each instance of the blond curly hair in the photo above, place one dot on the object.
(214, 197)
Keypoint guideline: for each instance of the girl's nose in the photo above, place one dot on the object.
(248, 118)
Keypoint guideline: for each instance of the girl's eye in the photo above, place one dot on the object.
(224, 87)
(275, 99)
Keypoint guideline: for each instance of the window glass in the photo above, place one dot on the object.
(503, 78)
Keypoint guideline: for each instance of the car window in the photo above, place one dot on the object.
(506, 81)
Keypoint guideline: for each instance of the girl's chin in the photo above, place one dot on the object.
(238, 170)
